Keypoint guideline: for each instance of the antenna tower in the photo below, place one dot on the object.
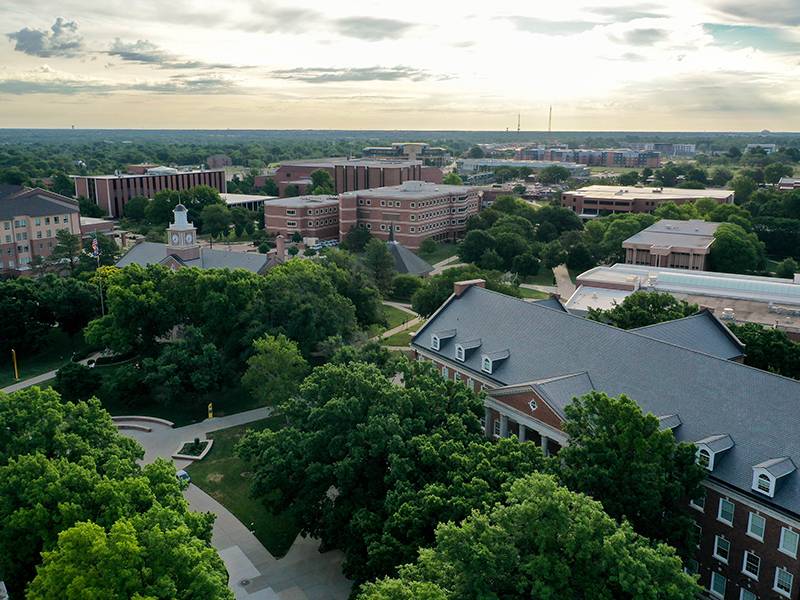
(518, 122)
(550, 121)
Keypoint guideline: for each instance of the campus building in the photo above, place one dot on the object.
(533, 358)
(594, 200)
(617, 157)
(413, 211)
(112, 192)
(29, 221)
(471, 167)
(252, 202)
(183, 250)
(350, 174)
(788, 183)
(314, 217)
(429, 155)
(671, 243)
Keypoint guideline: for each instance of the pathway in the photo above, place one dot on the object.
(407, 325)
(563, 281)
(547, 289)
(21, 385)
(303, 574)
(447, 263)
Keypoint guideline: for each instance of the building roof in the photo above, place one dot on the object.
(702, 332)
(474, 163)
(307, 201)
(552, 302)
(711, 396)
(648, 193)
(150, 253)
(413, 190)
(234, 199)
(405, 261)
(329, 163)
(16, 200)
(154, 172)
(669, 233)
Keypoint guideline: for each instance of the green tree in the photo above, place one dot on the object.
(136, 208)
(721, 176)
(109, 253)
(321, 183)
(553, 254)
(491, 260)
(352, 280)
(476, 152)
(436, 289)
(380, 263)
(743, 187)
(509, 246)
(242, 221)
(553, 174)
(428, 246)
(26, 318)
(474, 245)
(629, 178)
(769, 349)
(528, 548)
(644, 308)
(275, 370)
(787, 268)
(452, 179)
(735, 250)
(216, 220)
(158, 211)
(404, 285)
(90, 209)
(525, 264)
(71, 302)
(62, 184)
(620, 457)
(77, 382)
(67, 252)
(291, 190)
(579, 257)
(774, 171)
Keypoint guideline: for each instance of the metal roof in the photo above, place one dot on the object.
(702, 332)
(150, 253)
(17, 201)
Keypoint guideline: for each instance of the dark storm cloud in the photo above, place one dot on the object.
(62, 39)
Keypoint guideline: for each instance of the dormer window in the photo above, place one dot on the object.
(490, 361)
(704, 458)
(460, 353)
(708, 449)
(486, 364)
(436, 344)
(439, 337)
(767, 474)
(464, 348)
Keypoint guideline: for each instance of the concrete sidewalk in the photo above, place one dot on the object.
(25, 383)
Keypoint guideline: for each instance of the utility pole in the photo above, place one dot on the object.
(518, 120)
(550, 121)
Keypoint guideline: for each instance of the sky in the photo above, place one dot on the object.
(681, 65)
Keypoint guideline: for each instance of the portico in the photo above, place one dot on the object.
(502, 420)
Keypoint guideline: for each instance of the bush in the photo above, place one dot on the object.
(428, 246)
(77, 382)
(404, 286)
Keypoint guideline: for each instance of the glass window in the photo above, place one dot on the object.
(747, 595)
(496, 428)
(470, 383)
(47, 220)
(789, 541)
(764, 484)
(722, 548)
(751, 564)
(783, 581)
(55, 219)
(725, 511)
(445, 372)
(37, 221)
(700, 502)
(755, 526)
(456, 376)
(703, 458)
(718, 585)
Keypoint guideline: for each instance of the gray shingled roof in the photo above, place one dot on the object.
(150, 253)
(759, 410)
(551, 302)
(16, 201)
(405, 261)
(559, 391)
(702, 332)
(777, 467)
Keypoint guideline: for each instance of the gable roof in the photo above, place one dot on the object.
(148, 253)
(758, 410)
(16, 201)
(405, 261)
(702, 332)
(553, 302)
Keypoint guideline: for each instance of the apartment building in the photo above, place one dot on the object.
(594, 200)
(29, 221)
(671, 243)
(412, 211)
(429, 155)
(618, 157)
(310, 216)
(470, 167)
(112, 192)
(531, 359)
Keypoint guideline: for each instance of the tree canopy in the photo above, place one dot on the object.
(642, 308)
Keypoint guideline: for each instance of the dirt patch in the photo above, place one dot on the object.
(215, 477)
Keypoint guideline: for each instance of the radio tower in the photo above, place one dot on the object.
(517, 122)
(550, 121)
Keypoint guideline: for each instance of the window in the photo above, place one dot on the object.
(783, 582)
(704, 458)
(37, 221)
(291, 223)
(496, 428)
(289, 211)
(486, 364)
(747, 595)
(755, 526)
(722, 549)
(7, 225)
(725, 513)
(456, 376)
(789, 541)
(470, 383)
(764, 484)
(532, 405)
(699, 503)
(460, 353)
(445, 372)
(435, 343)
(47, 220)
(383, 227)
(718, 584)
(38, 235)
(751, 564)
(55, 219)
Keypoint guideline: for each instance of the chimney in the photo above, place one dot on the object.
(280, 248)
(459, 287)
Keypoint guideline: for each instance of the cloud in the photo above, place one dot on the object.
(63, 39)
(624, 14)
(772, 12)
(329, 75)
(536, 25)
(268, 18)
(644, 37)
(146, 52)
(372, 29)
(767, 39)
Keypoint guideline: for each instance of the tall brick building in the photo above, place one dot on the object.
(414, 211)
(310, 216)
(532, 359)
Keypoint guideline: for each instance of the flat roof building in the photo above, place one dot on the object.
(112, 192)
(594, 200)
(672, 243)
(429, 155)
(788, 183)
(314, 217)
(412, 212)
(471, 166)
(249, 201)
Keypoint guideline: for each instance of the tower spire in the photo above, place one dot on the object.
(391, 232)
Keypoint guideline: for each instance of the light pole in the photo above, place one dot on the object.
(14, 360)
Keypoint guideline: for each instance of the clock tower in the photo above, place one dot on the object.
(182, 236)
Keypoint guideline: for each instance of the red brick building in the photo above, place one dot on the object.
(112, 192)
(415, 211)
(532, 359)
(600, 199)
(310, 216)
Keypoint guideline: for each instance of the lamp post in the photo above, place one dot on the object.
(14, 360)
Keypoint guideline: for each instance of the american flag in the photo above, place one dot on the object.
(95, 248)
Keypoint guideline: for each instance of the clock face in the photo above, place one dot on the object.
(175, 238)
(188, 238)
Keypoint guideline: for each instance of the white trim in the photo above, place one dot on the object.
(757, 475)
(719, 512)
(711, 585)
(752, 503)
(775, 587)
(530, 422)
(699, 507)
(744, 564)
(743, 591)
(458, 366)
(780, 542)
(719, 557)
(750, 516)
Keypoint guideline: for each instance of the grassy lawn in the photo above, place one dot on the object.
(395, 316)
(527, 293)
(224, 476)
(403, 338)
(443, 250)
(543, 277)
(56, 352)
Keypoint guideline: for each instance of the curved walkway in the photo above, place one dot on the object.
(303, 574)
(21, 385)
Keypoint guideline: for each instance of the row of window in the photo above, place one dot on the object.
(421, 204)
(36, 221)
(782, 583)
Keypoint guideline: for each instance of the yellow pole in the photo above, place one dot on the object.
(210, 410)
(14, 360)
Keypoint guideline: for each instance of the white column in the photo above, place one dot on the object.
(503, 425)
(522, 433)
(488, 424)
(545, 445)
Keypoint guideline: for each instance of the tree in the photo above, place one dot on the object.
(275, 370)
(525, 265)
(216, 220)
(380, 263)
(71, 302)
(158, 211)
(352, 281)
(62, 184)
(735, 250)
(721, 176)
(773, 172)
(553, 254)
(136, 208)
(474, 245)
(452, 179)
(553, 174)
(321, 183)
(356, 239)
(270, 188)
(404, 285)
(152, 555)
(579, 257)
(88, 208)
(428, 246)
(622, 458)
(528, 548)
(787, 268)
(629, 178)
(734, 153)
(476, 152)
(509, 246)
(242, 220)
(291, 190)
(743, 187)
(77, 382)
(108, 249)
(26, 318)
(436, 289)
(644, 308)
(66, 252)
(491, 260)
(769, 349)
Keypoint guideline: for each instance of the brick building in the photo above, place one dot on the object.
(112, 192)
(414, 211)
(600, 199)
(673, 244)
(617, 157)
(533, 358)
(310, 216)
(29, 220)
(429, 155)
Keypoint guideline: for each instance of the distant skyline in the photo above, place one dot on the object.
(689, 65)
